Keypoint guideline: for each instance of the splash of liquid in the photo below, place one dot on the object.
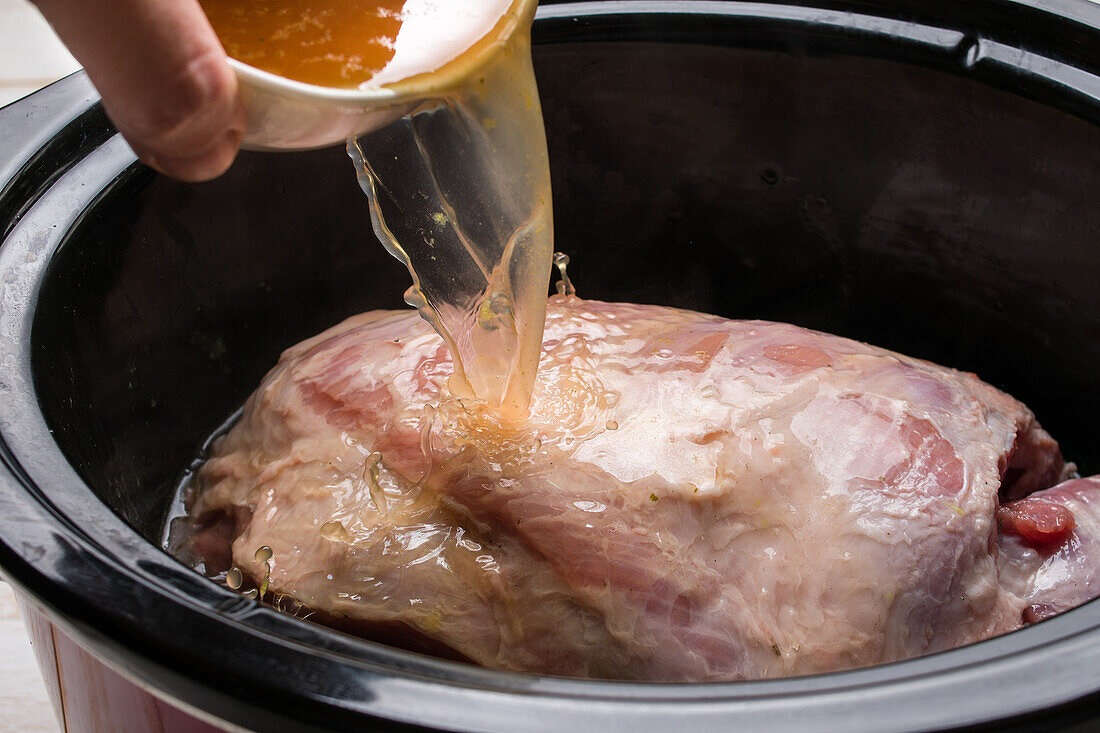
(565, 285)
(459, 192)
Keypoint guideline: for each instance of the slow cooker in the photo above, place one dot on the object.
(922, 176)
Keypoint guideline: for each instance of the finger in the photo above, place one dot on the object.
(163, 76)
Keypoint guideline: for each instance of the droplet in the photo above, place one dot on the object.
(234, 579)
(565, 285)
(709, 392)
(336, 532)
(969, 52)
(263, 554)
(251, 593)
(612, 425)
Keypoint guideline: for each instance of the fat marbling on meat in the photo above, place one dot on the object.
(693, 498)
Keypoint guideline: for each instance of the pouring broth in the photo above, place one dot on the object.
(460, 188)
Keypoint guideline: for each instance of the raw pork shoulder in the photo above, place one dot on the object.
(693, 499)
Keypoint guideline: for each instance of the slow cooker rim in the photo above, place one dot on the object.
(29, 503)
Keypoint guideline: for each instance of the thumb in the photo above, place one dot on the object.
(163, 76)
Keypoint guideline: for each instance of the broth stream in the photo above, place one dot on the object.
(459, 189)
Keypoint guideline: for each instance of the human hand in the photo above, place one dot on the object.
(163, 76)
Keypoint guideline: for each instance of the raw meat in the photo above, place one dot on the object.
(693, 498)
(1059, 568)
